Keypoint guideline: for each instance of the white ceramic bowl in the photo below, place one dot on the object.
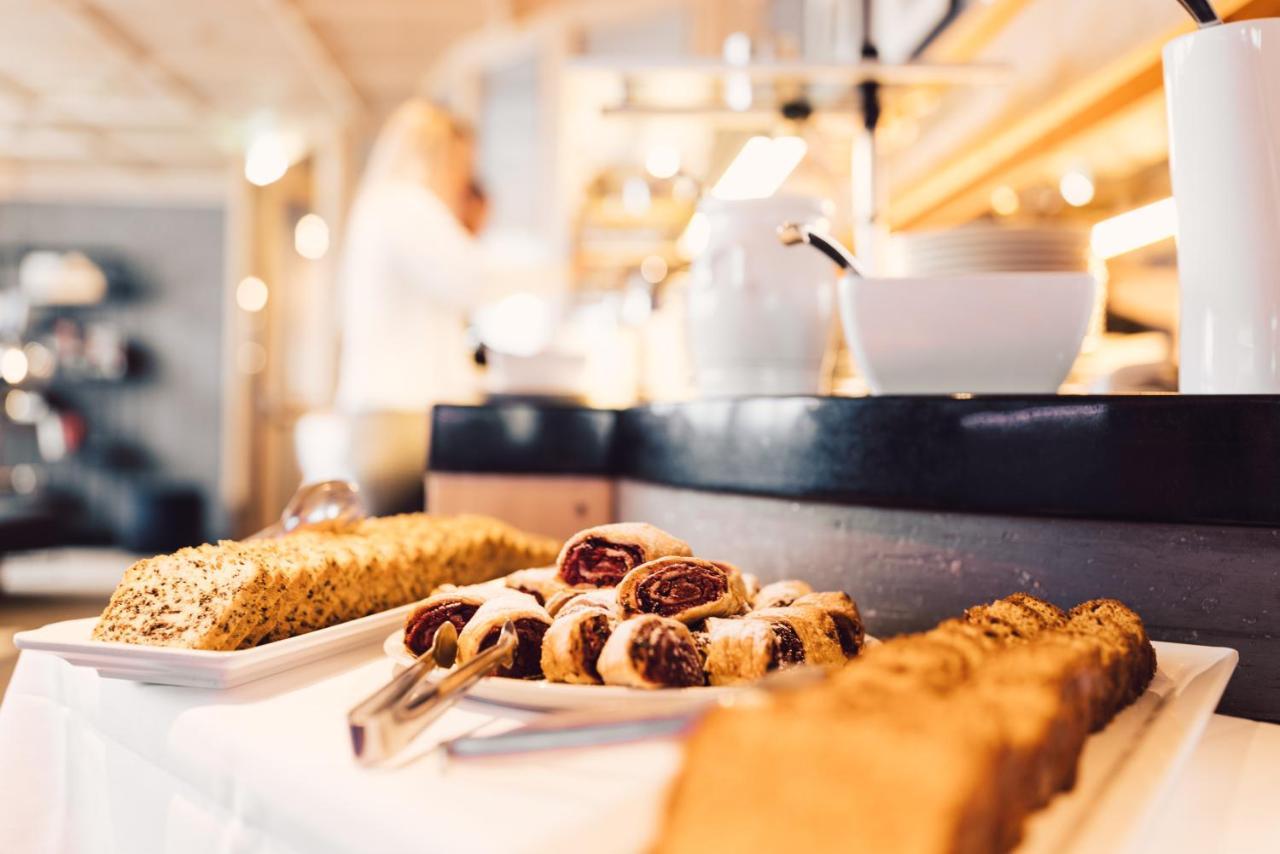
(995, 333)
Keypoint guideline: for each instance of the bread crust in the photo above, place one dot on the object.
(943, 741)
(232, 595)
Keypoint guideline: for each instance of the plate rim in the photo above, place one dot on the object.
(1184, 713)
(199, 668)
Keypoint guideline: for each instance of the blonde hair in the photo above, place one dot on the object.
(420, 142)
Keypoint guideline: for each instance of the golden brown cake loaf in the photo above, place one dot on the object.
(758, 780)
(938, 742)
(1128, 659)
(232, 595)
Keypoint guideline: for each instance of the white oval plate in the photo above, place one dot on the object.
(542, 695)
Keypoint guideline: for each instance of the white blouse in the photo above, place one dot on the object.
(409, 278)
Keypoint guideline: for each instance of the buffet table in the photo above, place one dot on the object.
(101, 765)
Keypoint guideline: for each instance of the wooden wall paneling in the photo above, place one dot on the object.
(1216, 585)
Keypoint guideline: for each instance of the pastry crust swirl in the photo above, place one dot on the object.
(687, 589)
(531, 623)
(649, 651)
(602, 555)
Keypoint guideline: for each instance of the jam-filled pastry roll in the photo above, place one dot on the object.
(843, 611)
(744, 585)
(531, 624)
(750, 587)
(651, 652)
(739, 650)
(805, 635)
(600, 556)
(780, 594)
(571, 648)
(701, 640)
(603, 599)
(487, 589)
(450, 603)
(541, 582)
(687, 589)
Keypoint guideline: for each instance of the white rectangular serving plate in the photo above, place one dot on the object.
(1128, 768)
(199, 668)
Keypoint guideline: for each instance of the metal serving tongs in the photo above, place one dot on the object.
(383, 724)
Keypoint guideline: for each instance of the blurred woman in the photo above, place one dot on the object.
(410, 275)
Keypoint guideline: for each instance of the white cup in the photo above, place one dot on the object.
(759, 314)
(1223, 90)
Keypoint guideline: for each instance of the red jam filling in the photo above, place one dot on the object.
(421, 631)
(600, 562)
(678, 587)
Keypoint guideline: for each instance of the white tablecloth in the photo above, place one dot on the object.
(99, 765)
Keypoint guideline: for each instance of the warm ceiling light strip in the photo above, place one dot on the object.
(761, 167)
(1135, 229)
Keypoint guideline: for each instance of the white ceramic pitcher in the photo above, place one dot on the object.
(759, 314)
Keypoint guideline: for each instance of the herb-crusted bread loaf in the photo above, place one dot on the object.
(234, 595)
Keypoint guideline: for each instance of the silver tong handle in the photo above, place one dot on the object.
(625, 722)
(566, 735)
(383, 724)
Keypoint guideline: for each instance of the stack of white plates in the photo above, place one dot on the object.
(986, 248)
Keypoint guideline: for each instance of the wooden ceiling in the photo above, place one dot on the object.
(180, 82)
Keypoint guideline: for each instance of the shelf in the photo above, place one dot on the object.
(850, 74)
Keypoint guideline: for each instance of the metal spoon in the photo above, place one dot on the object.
(316, 503)
(792, 233)
(1202, 11)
